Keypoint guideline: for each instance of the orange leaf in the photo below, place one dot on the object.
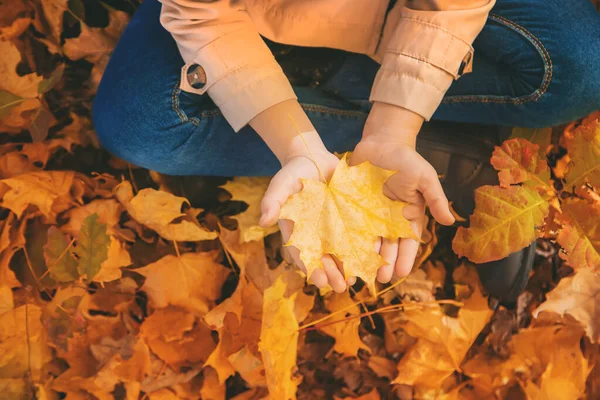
(518, 161)
(580, 234)
(583, 145)
(504, 221)
(279, 342)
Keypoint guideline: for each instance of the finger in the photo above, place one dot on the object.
(334, 276)
(408, 249)
(351, 281)
(319, 278)
(432, 191)
(282, 186)
(384, 274)
(407, 252)
(377, 246)
(389, 252)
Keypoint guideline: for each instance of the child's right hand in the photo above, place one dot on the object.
(287, 183)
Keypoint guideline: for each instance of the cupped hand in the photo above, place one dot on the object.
(415, 182)
(287, 183)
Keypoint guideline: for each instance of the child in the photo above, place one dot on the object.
(173, 98)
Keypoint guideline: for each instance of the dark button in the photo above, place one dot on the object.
(464, 64)
(196, 76)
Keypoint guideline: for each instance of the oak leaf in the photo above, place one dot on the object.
(344, 217)
(442, 341)
(540, 136)
(504, 221)
(583, 146)
(92, 247)
(192, 281)
(580, 234)
(161, 212)
(279, 342)
(517, 161)
(578, 296)
(345, 333)
(250, 190)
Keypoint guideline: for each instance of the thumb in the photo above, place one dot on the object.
(436, 200)
(282, 186)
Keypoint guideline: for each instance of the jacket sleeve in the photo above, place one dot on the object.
(225, 57)
(430, 47)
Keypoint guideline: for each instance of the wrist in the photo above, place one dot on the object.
(392, 124)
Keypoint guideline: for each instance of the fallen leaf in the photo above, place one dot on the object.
(279, 342)
(504, 221)
(442, 341)
(192, 281)
(578, 296)
(344, 217)
(250, 190)
(117, 257)
(372, 395)
(109, 213)
(14, 19)
(517, 161)
(580, 234)
(540, 136)
(583, 145)
(42, 189)
(25, 86)
(211, 389)
(249, 366)
(161, 212)
(92, 247)
(345, 332)
(59, 257)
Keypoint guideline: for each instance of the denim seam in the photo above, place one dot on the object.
(532, 97)
(175, 105)
(333, 111)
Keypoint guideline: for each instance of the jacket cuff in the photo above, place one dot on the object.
(240, 74)
(411, 84)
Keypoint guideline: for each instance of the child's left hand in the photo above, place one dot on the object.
(416, 182)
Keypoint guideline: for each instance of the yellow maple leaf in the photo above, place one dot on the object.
(250, 190)
(583, 146)
(161, 212)
(279, 342)
(118, 257)
(345, 333)
(504, 221)
(42, 189)
(442, 341)
(192, 281)
(580, 233)
(344, 217)
(577, 296)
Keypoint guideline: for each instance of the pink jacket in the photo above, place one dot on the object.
(422, 45)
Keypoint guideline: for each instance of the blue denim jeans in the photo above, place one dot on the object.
(537, 63)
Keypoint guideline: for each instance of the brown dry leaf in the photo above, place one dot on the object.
(504, 221)
(534, 351)
(279, 342)
(580, 234)
(133, 368)
(15, 18)
(383, 367)
(344, 217)
(372, 395)
(517, 161)
(23, 347)
(161, 212)
(578, 296)
(48, 190)
(94, 44)
(583, 145)
(10, 242)
(25, 86)
(345, 333)
(442, 341)
(211, 389)
(416, 287)
(19, 158)
(250, 190)
(192, 281)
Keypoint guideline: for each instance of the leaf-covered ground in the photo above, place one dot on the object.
(120, 283)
